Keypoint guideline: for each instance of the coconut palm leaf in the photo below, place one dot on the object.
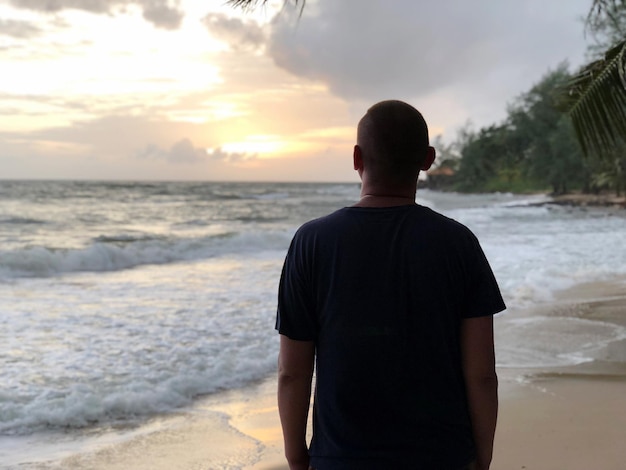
(600, 8)
(246, 4)
(597, 102)
(250, 4)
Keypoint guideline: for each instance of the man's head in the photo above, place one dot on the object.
(392, 144)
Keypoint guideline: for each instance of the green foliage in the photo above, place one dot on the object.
(552, 153)
(486, 156)
(606, 23)
(610, 173)
(597, 102)
(533, 149)
(447, 154)
(596, 95)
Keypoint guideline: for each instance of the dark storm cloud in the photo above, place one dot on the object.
(162, 13)
(18, 29)
(367, 49)
(237, 33)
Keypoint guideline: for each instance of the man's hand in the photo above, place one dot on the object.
(481, 383)
(295, 373)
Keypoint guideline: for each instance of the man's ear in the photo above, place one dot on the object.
(430, 158)
(357, 158)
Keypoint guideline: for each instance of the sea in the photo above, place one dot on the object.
(123, 300)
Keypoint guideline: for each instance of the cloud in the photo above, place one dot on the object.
(143, 137)
(182, 152)
(161, 13)
(18, 29)
(220, 154)
(116, 136)
(237, 33)
(365, 50)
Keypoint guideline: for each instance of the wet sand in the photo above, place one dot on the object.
(563, 421)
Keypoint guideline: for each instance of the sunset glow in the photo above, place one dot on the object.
(194, 89)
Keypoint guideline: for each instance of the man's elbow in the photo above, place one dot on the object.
(286, 375)
(487, 379)
(296, 361)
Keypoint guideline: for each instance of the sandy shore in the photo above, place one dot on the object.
(567, 418)
(562, 420)
(559, 418)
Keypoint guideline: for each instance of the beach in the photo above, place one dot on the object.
(551, 418)
(571, 417)
(137, 323)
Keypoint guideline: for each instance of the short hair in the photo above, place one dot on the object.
(393, 137)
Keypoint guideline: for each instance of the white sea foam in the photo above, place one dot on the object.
(84, 404)
(552, 341)
(120, 346)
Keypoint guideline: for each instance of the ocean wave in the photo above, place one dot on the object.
(532, 200)
(119, 252)
(260, 219)
(100, 402)
(21, 221)
(125, 238)
(271, 196)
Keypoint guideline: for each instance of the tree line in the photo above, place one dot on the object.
(542, 144)
(535, 148)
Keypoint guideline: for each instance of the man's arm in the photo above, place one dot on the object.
(481, 382)
(295, 373)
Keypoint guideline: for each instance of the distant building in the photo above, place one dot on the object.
(440, 177)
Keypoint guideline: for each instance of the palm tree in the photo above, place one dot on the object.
(596, 95)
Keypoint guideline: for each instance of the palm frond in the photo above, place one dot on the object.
(597, 102)
(245, 4)
(601, 8)
(251, 4)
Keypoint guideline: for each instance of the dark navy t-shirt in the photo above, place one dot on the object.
(382, 292)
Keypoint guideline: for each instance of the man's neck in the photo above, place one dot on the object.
(385, 200)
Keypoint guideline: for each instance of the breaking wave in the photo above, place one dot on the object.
(118, 252)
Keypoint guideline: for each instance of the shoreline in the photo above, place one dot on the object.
(551, 418)
(602, 200)
(577, 198)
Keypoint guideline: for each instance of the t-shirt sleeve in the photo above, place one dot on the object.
(483, 295)
(295, 317)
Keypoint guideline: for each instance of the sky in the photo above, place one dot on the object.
(200, 90)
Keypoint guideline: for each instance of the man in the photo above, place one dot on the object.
(394, 303)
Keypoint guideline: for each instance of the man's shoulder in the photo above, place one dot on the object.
(445, 221)
(421, 217)
(326, 222)
(416, 213)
